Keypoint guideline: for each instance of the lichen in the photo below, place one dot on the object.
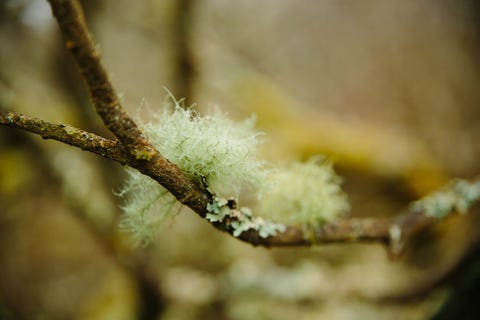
(147, 205)
(306, 193)
(217, 210)
(213, 150)
(241, 220)
(222, 155)
(210, 148)
(458, 196)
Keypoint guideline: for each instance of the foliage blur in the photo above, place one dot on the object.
(387, 89)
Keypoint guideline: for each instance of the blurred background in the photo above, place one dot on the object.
(387, 89)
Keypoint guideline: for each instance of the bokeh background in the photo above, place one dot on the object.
(388, 89)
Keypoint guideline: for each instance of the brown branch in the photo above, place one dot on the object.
(338, 231)
(78, 40)
(135, 150)
(144, 155)
(110, 149)
(396, 232)
(342, 230)
(457, 197)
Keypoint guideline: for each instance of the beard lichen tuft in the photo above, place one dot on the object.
(212, 149)
(147, 205)
(306, 194)
(223, 156)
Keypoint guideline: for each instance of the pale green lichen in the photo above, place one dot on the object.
(241, 220)
(458, 196)
(217, 210)
(304, 193)
(212, 149)
(147, 206)
(222, 155)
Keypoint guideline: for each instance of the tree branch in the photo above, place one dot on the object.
(395, 232)
(338, 231)
(135, 150)
(144, 156)
(78, 40)
(459, 196)
(110, 149)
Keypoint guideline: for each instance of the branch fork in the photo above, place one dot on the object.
(131, 147)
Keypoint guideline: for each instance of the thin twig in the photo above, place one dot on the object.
(338, 231)
(110, 149)
(78, 40)
(144, 156)
(396, 231)
(135, 150)
(459, 196)
(342, 230)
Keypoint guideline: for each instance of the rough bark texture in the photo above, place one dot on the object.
(110, 149)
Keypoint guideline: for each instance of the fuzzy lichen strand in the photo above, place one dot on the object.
(211, 148)
(147, 206)
(304, 193)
